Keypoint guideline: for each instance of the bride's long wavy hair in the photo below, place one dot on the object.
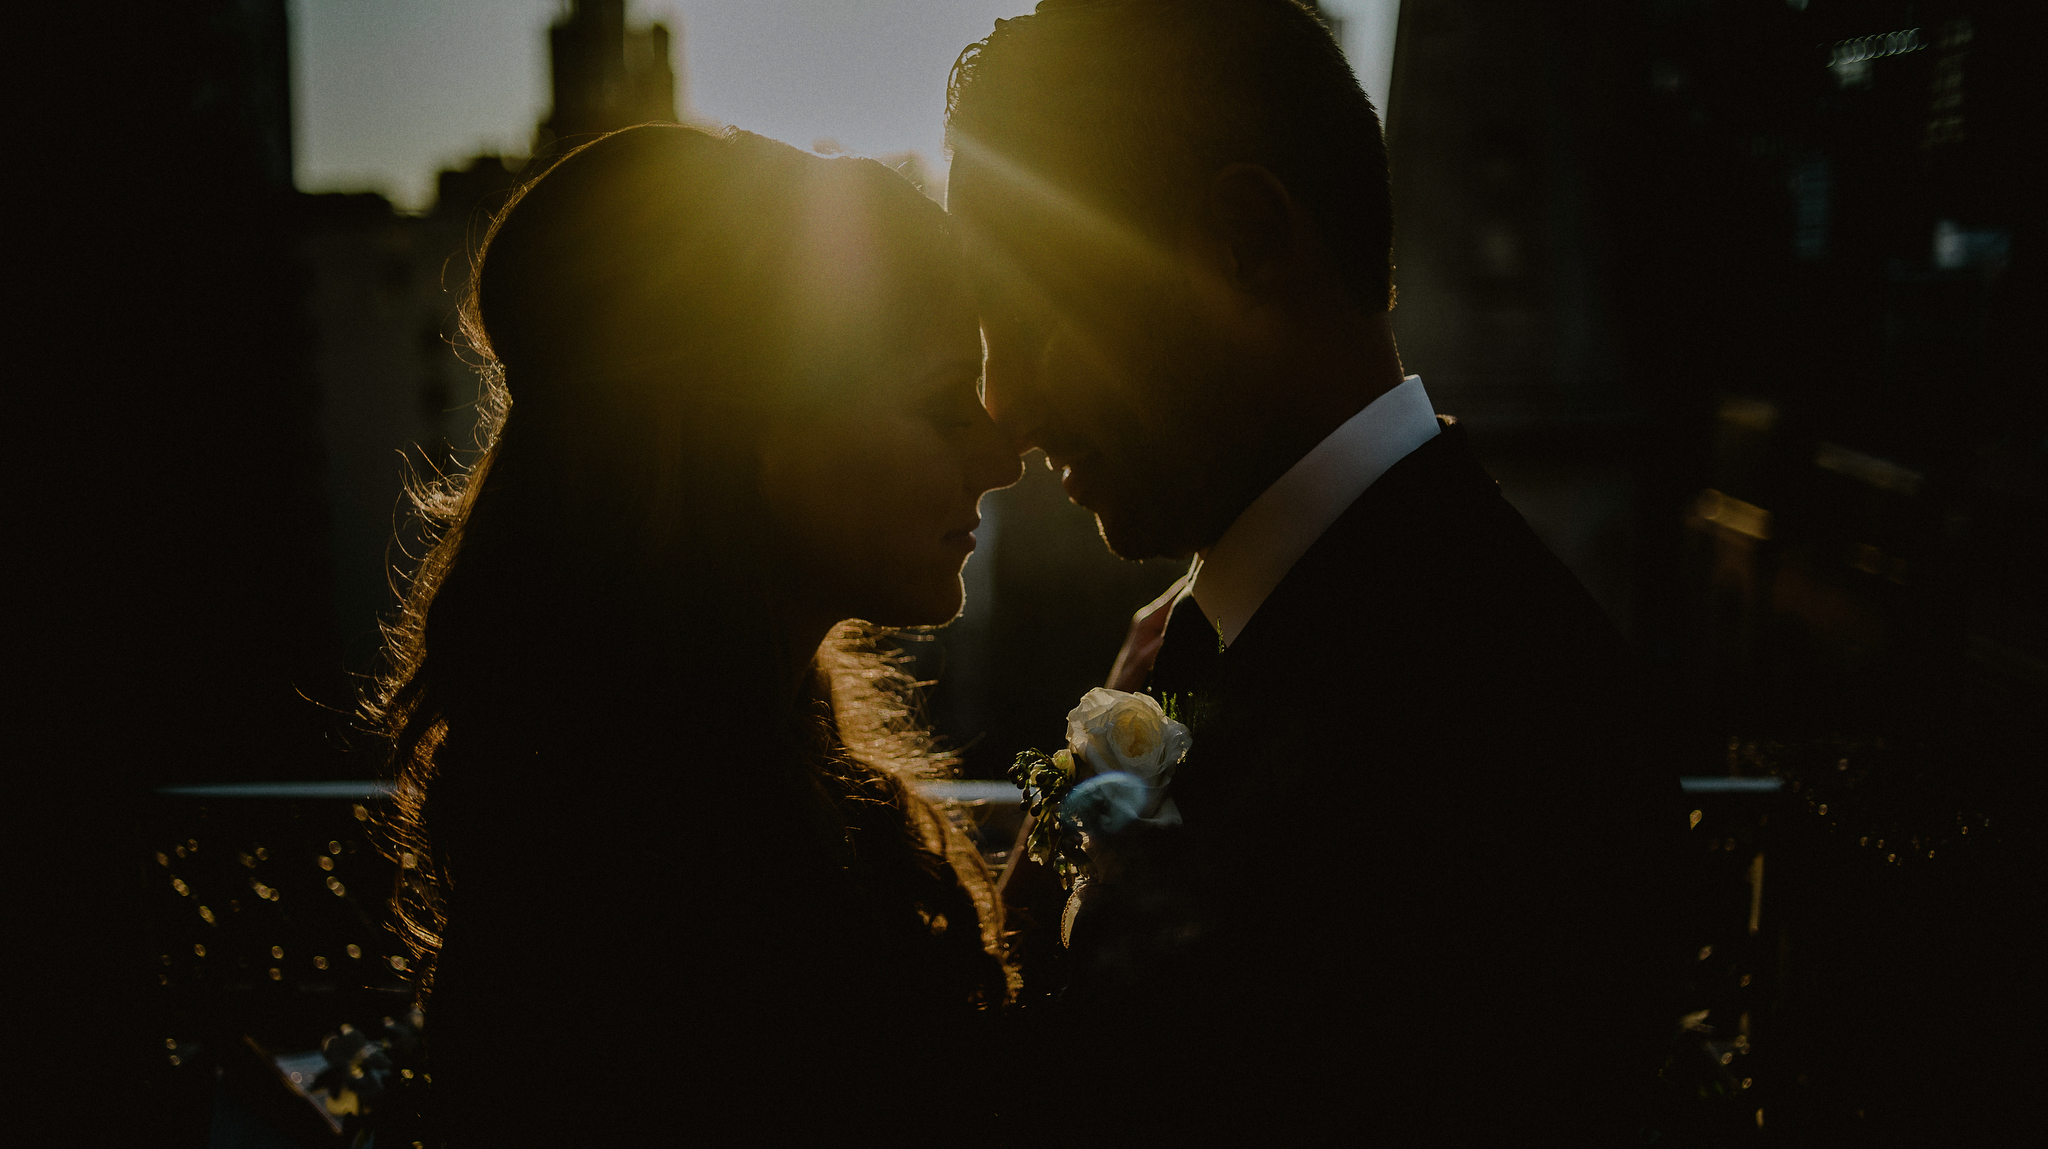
(587, 688)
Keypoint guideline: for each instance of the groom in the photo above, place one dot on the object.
(1416, 880)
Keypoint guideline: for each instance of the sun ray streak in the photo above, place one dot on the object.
(1017, 217)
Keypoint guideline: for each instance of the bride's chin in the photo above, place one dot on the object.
(903, 605)
(942, 605)
(940, 615)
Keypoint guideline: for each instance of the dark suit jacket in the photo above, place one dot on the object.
(1417, 888)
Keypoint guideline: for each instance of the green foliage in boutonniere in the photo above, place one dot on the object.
(1196, 710)
(1046, 780)
(1131, 748)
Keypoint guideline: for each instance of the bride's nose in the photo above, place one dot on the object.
(993, 461)
(1010, 391)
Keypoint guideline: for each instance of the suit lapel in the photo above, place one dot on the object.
(1349, 568)
(1349, 575)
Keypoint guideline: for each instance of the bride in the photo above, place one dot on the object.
(667, 862)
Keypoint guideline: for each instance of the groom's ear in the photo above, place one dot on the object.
(1250, 231)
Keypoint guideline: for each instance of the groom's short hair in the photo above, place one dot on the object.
(1131, 105)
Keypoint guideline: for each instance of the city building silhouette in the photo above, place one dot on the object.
(606, 75)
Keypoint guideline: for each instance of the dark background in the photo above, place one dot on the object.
(1740, 299)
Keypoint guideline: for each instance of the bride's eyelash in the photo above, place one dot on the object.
(949, 411)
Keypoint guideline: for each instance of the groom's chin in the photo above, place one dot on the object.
(1134, 537)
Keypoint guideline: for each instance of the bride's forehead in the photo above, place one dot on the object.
(867, 258)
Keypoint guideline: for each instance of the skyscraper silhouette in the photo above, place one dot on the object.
(606, 76)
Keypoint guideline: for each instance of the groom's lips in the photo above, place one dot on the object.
(1076, 477)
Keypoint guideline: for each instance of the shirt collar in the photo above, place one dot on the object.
(1231, 579)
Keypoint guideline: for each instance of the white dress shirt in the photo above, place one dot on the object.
(1231, 580)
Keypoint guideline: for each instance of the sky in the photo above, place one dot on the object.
(388, 92)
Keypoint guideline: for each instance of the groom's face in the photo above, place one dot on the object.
(1097, 354)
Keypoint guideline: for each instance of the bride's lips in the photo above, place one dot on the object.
(962, 536)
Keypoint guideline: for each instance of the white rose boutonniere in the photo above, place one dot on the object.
(1114, 731)
(1120, 756)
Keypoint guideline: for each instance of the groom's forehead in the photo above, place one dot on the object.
(1020, 222)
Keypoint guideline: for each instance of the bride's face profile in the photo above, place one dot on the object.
(876, 493)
